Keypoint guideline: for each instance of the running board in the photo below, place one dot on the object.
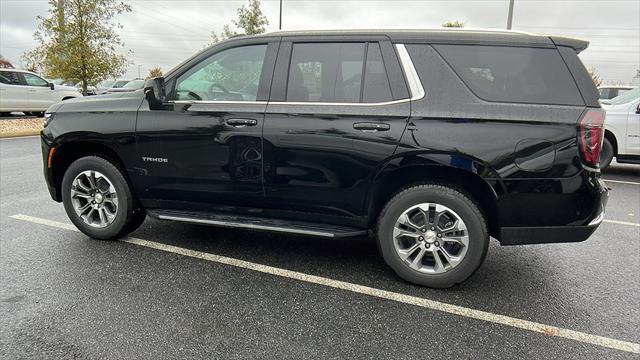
(256, 223)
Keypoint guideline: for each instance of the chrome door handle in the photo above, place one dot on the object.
(371, 127)
(242, 122)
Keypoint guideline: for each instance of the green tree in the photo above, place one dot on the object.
(250, 21)
(453, 24)
(78, 40)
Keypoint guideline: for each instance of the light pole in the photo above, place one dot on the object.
(280, 18)
(510, 18)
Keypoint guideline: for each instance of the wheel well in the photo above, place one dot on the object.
(68, 153)
(612, 139)
(68, 97)
(477, 188)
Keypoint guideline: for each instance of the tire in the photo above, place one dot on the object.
(395, 239)
(606, 155)
(5, 114)
(111, 217)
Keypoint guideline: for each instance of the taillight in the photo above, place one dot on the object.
(590, 136)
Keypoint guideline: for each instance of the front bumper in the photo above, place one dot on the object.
(523, 235)
(46, 146)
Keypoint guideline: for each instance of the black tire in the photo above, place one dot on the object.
(129, 215)
(607, 153)
(5, 114)
(454, 199)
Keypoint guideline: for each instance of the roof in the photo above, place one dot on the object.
(441, 35)
(18, 70)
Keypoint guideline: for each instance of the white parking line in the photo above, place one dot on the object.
(382, 294)
(621, 222)
(622, 182)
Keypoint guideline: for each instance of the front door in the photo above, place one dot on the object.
(337, 112)
(205, 146)
(40, 94)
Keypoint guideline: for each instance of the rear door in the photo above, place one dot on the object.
(13, 92)
(337, 111)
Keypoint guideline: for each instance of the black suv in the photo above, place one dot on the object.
(432, 140)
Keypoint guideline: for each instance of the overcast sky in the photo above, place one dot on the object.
(163, 33)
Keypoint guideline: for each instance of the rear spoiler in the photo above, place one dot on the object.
(576, 44)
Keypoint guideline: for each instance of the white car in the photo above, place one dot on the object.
(622, 129)
(29, 93)
(607, 92)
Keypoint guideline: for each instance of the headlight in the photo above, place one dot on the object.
(47, 118)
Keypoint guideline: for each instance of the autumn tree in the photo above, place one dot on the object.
(595, 77)
(154, 72)
(250, 21)
(453, 24)
(78, 40)
(4, 63)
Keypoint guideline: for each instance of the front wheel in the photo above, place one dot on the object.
(432, 235)
(99, 200)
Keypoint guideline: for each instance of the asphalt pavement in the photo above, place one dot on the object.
(187, 291)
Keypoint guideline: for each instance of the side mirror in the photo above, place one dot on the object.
(51, 86)
(638, 109)
(154, 92)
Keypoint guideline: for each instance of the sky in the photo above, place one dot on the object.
(165, 32)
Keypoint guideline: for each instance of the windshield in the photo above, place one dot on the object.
(105, 84)
(627, 97)
(119, 83)
(135, 84)
(57, 81)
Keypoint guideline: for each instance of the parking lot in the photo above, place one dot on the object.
(182, 291)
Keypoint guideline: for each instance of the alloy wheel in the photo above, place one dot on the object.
(94, 198)
(430, 238)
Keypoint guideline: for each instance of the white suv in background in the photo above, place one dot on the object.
(29, 93)
(622, 129)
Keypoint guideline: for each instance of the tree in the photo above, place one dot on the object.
(77, 40)
(453, 24)
(154, 72)
(595, 77)
(250, 20)
(5, 63)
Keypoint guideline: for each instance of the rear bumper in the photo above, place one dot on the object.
(523, 235)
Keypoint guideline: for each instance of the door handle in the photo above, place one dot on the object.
(371, 127)
(242, 122)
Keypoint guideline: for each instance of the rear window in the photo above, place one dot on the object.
(513, 74)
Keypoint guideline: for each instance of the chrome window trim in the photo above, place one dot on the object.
(413, 81)
(214, 102)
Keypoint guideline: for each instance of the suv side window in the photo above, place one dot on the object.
(376, 83)
(513, 74)
(9, 78)
(33, 80)
(229, 75)
(334, 72)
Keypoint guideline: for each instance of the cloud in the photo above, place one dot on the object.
(163, 33)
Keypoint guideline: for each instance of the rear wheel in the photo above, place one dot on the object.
(606, 155)
(99, 200)
(432, 235)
